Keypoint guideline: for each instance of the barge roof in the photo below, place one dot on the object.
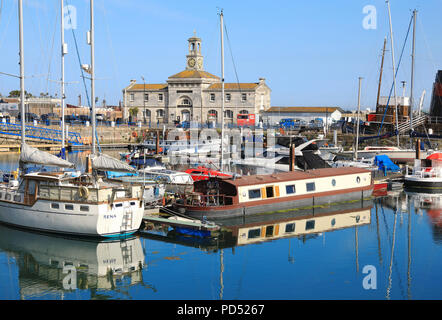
(293, 175)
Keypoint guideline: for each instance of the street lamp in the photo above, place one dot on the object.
(144, 99)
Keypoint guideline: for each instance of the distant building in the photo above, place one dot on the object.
(273, 115)
(194, 95)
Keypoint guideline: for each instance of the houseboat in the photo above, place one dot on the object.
(220, 197)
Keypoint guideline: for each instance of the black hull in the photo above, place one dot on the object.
(423, 186)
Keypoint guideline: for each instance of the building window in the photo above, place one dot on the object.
(244, 97)
(310, 186)
(243, 112)
(132, 97)
(146, 97)
(212, 97)
(160, 97)
(290, 189)
(228, 97)
(160, 113)
(228, 114)
(255, 193)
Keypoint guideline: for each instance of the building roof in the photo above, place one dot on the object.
(193, 74)
(234, 86)
(292, 176)
(304, 109)
(149, 86)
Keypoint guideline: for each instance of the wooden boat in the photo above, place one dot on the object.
(219, 197)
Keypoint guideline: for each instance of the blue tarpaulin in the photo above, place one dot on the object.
(385, 164)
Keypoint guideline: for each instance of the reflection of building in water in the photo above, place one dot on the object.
(49, 264)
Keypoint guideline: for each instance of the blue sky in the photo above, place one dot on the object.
(310, 52)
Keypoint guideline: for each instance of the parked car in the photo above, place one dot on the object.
(84, 118)
(29, 117)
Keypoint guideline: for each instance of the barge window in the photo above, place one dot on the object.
(55, 206)
(8, 196)
(255, 193)
(254, 233)
(290, 227)
(310, 224)
(269, 231)
(118, 205)
(132, 203)
(84, 208)
(269, 192)
(290, 189)
(69, 207)
(310, 186)
(17, 198)
(1, 195)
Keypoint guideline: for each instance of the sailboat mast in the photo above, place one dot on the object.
(22, 73)
(222, 89)
(413, 52)
(92, 71)
(63, 52)
(394, 72)
(357, 120)
(380, 74)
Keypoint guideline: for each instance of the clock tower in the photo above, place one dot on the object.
(194, 59)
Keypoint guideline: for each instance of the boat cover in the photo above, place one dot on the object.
(107, 163)
(385, 164)
(32, 155)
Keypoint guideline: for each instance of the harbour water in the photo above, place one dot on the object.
(387, 248)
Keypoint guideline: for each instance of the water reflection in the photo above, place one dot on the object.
(49, 265)
(431, 204)
(303, 223)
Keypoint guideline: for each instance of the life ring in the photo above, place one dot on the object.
(83, 192)
(134, 134)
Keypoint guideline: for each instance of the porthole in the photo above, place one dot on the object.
(333, 182)
(358, 179)
(333, 222)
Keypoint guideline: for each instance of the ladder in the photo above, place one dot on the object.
(126, 223)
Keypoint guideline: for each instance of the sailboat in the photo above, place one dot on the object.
(70, 202)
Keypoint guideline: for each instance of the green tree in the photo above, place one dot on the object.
(133, 112)
(16, 94)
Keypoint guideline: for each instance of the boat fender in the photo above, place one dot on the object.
(83, 192)
(134, 134)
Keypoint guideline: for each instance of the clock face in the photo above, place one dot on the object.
(191, 62)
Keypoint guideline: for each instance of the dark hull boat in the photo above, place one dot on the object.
(218, 197)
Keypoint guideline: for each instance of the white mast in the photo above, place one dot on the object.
(413, 52)
(222, 90)
(63, 52)
(394, 71)
(357, 121)
(92, 71)
(22, 73)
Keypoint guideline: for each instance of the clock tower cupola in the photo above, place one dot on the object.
(194, 59)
